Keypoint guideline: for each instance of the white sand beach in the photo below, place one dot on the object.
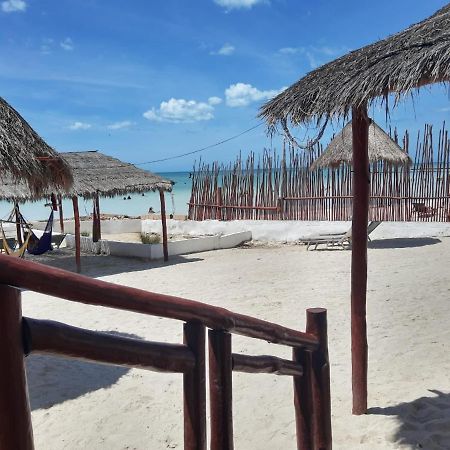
(78, 405)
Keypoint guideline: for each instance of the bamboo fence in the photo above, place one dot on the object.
(281, 187)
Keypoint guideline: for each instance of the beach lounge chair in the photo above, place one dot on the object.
(343, 240)
(57, 239)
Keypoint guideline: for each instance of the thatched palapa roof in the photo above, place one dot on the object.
(25, 157)
(381, 148)
(398, 64)
(95, 172)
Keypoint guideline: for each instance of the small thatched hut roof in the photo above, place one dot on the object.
(381, 148)
(398, 64)
(95, 172)
(26, 158)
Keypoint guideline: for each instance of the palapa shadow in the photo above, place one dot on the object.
(103, 265)
(403, 242)
(424, 422)
(56, 379)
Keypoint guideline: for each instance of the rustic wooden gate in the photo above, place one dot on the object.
(20, 336)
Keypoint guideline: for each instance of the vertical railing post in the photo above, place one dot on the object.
(194, 389)
(316, 324)
(303, 401)
(15, 417)
(220, 386)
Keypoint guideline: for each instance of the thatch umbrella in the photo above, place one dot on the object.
(381, 147)
(406, 61)
(25, 156)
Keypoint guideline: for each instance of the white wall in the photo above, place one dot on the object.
(291, 230)
(107, 226)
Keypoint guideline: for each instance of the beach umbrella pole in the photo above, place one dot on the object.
(164, 224)
(361, 180)
(61, 214)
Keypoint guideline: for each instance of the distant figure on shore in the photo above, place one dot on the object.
(128, 198)
(150, 210)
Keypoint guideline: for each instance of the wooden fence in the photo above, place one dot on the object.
(19, 336)
(283, 188)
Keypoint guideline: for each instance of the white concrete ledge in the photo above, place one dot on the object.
(155, 251)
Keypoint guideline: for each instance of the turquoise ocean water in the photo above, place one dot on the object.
(175, 203)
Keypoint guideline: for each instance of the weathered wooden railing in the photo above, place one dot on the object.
(21, 336)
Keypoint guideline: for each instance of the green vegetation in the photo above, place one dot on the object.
(150, 238)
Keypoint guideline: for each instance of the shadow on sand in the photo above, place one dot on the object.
(55, 379)
(403, 242)
(424, 423)
(103, 265)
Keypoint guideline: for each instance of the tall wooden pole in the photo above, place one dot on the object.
(18, 228)
(361, 180)
(96, 227)
(164, 224)
(61, 214)
(54, 203)
(15, 417)
(76, 216)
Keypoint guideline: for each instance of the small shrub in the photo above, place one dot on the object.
(85, 233)
(150, 238)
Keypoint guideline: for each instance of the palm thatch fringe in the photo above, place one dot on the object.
(26, 158)
(398, 64)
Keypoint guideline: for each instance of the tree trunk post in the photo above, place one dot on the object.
(61, 213)
(18, 227)
(164, 224)
(15, 417)
(220, 388)
(76, 215)
(361, 181)
(194, 389)
(316, 324)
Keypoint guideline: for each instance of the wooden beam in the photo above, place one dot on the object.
(78, 288)
(265, 364)
(164, 225)
(15, 418)
(194, 389)
(76, 215)
(96, 226)
(49, 337)
(361, 187)
(61, 213)
(18, 227)
(220, 390)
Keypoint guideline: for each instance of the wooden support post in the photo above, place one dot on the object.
(303, 402)
(164, 224)
(15, 418)
(18, 227)
(96, 226)
(76, 216)
(61, 214)
(220, 388)
(219, 204)
(194, 389)
(360, 127)
(316, 324)
(53, 201)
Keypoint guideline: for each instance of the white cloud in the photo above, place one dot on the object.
(214, 101)
(316, 55)
(225, 50)
(242, 94)
(67, 44)
(239, 4)
(46, 46)
(120, 125)
(180, 110)
(444, 109)
(10, 6)
(80, 126)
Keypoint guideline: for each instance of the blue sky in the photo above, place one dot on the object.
(144, 80)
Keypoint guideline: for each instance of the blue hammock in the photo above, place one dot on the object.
(38, 246)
